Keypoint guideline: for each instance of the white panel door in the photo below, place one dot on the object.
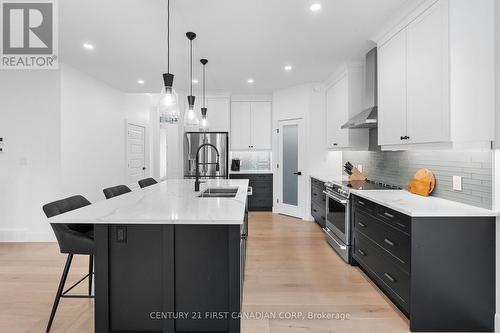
(218, 114)
(240, 126)
(392, 91)
(337, 113)
(428, 76)
(136, 157)
(261, 125)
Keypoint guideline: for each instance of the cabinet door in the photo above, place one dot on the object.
(337, 113)
(218, 114)
(240, 126)
(392, 91)
(261, 125)
(428, 76)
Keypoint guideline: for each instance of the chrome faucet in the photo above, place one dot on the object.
(217, 165)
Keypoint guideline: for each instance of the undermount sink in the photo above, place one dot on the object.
(219, 192)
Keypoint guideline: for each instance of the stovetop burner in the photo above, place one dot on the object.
(370, 185)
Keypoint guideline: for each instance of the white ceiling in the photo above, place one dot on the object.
(241, 39)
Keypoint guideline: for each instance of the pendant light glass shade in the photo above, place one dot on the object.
(168, 106)
(190, 116)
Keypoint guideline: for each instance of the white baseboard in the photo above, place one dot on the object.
(22, 235)
(497, 323)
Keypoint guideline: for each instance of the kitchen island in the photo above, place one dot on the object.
(168, 260)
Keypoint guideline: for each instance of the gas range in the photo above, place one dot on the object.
(338, 215)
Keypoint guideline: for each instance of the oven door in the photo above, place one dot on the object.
(337, 216)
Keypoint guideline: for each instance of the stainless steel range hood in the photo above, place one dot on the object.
(368, 118)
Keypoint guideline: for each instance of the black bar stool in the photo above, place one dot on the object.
(72, 239)
(147, 182)
(115, 191)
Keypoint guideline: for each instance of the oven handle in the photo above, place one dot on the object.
(334, 197)
(325, 230)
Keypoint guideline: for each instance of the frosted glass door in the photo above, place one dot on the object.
(290, 164)
(291, 147)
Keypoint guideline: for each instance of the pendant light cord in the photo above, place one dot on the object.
(203, 85)
(191, 65)
(168, 36)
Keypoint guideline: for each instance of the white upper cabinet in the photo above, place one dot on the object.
(428, 115)
(240, 126)
(343, 100)
(392, 91)
(250, 126)
(261, 125)
(436, 77)
(218, 114)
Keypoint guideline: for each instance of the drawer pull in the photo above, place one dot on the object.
(315, 210)
(401, 225)
(389, 215)
(363, 253)
(390, 277)
(389, 242)
(315, 194)
(361, 203)
(362, 225)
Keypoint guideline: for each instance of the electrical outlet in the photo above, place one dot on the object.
(457, 183)
(360, 167)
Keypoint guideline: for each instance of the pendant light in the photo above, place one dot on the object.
(190, 117)
(168, 105)
(204, 120)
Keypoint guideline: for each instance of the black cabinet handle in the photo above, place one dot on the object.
(389, 242)
(363, 253)
(362, 225)
(315, 194)
(314, 210)
(335, 144)
(390, 277)
(406, 137)
(299, 173)
(389, 215)
(361, 203)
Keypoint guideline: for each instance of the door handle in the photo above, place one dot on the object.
(299, 173)
(143, 168)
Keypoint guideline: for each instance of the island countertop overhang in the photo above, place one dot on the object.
(168, 202)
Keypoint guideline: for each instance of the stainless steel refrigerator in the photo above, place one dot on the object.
(193, 140)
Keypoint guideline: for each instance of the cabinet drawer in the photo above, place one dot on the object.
(395, 242)
(394, 281)
(317, 182)
(363, 204)
(319, 214)
(395, 219)
(317, 196)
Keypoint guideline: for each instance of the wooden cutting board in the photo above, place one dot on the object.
(423, 183)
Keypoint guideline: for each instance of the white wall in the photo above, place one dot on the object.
(30, 163)
(308, 102)
(92, 135)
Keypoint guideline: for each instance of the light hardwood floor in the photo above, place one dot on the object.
(290, 269)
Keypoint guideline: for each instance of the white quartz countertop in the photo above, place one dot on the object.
(325, 177)
(418, 206)
(168, 202)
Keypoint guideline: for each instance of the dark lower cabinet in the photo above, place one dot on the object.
(261, 185)
(147, 280)
(440, 271)
(318, 202)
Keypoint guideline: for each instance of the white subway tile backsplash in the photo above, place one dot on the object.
(398, 167)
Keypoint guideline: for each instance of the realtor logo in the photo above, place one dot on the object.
(29, 34)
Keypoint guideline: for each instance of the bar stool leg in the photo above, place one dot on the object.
(60, 290)
(91, 271)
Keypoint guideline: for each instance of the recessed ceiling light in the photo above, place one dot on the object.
(88, 46)
(195, 81)
(315, 6)
(141, 82)
(288, 68)
(251, 81)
